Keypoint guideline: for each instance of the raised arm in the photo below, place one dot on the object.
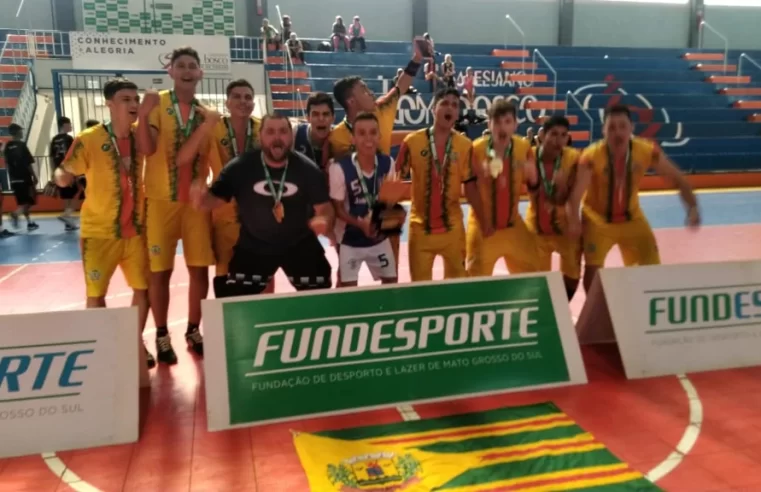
(148, 123)
(664, 167)
(194, 145)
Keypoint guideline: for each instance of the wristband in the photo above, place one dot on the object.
(412, 68)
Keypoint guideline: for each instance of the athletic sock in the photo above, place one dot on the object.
(220, 284)
(191, 328)
(162, 331)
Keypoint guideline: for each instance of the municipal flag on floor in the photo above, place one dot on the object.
(534, 447)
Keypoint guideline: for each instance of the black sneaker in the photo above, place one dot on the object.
(5, 233)
(70, 228)
(32, 226)
(149, 359)
(164, 351)
(195, 341)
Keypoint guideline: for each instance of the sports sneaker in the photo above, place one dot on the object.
(149, 359)
(32, 226)
(164, 351)
(5, 233)
(195, 341)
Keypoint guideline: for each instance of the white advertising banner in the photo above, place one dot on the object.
(68, 380)
(117, 51)
(675, 319)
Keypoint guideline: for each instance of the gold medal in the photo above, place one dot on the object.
(279, 212)
(495, 167)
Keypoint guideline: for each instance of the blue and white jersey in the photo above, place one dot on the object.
(302, 143)
(347, 185)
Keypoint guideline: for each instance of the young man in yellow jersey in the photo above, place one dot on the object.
(610, 172)
(355, 97)
(112, 218)
(232, 136)
(438, 160)
(556, 231)
(503, 162)
(167, 124)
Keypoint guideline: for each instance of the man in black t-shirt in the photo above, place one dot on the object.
(283, 205)
(19, 162)
(59, 147)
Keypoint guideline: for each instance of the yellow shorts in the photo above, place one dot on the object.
(100, 257)
(635, 239)
(568, 249)
(168, 222)
(226, 233)
(516, 244)
(424, 248)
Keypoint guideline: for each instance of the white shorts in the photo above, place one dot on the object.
(379, 258)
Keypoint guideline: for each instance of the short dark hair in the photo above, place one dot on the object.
(115, 85)
(184, 51)
(14, 129)
(318, 99)
(501, 108)
(238, 83)
(343, 87)
(442, 93)
(274, 116)
(556, 120)
(63, 120)
(91, 123)
(618, 109)
(364, 116)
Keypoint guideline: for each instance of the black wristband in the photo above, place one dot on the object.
(412, 68)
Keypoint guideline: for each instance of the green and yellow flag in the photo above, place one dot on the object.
(529, 448)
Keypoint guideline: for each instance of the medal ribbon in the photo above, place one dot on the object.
(509, 156)
(281, 186)
(549, 190)
(619, 182)
(368, 196)
(440, 166)
(325, 149)
(234, 141)
(127, 164)
(185, 128)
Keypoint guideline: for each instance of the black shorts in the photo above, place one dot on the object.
(25, 193)
(304, 264)
(68, 193)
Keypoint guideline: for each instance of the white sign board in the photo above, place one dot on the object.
(116, 51)
(68, 380)
(675, 319)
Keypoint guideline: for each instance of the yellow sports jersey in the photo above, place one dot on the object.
(437, 212)
(385, 110)
(613, 194)
(163, 179)
(224, 139)
(114, 207)
(542, 216)
(500, 196)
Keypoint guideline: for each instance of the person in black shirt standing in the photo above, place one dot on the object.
(59, 147)
(19, 161)
(283, 205)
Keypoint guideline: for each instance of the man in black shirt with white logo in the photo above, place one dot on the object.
(19, 162)
(283, 205)
(59, 147)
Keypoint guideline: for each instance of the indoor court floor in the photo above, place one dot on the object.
(696, 433)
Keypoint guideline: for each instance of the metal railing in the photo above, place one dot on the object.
(289, 67)
(26, 104)
(523, 39)
(552, 69)
(740, 64)
(705, 25)
(570, 95)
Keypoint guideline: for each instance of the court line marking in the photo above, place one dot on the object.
(14, 272)
(59, 469)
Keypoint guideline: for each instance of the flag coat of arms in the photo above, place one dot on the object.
(530, 448)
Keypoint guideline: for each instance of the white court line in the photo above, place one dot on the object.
(13, 272)
(67, 476)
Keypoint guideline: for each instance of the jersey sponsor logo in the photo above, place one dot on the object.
(262, 188)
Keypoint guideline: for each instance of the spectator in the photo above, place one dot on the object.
(539, 137)
(339, 34)
(469, 86)
(357, 35)
(431, 75)
(530, 135)
(431, 65)
(399, 74)
(448, 72)
(287, 27)
(296, 48)
(270, 34)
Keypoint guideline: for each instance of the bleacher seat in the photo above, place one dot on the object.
(700, 110)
